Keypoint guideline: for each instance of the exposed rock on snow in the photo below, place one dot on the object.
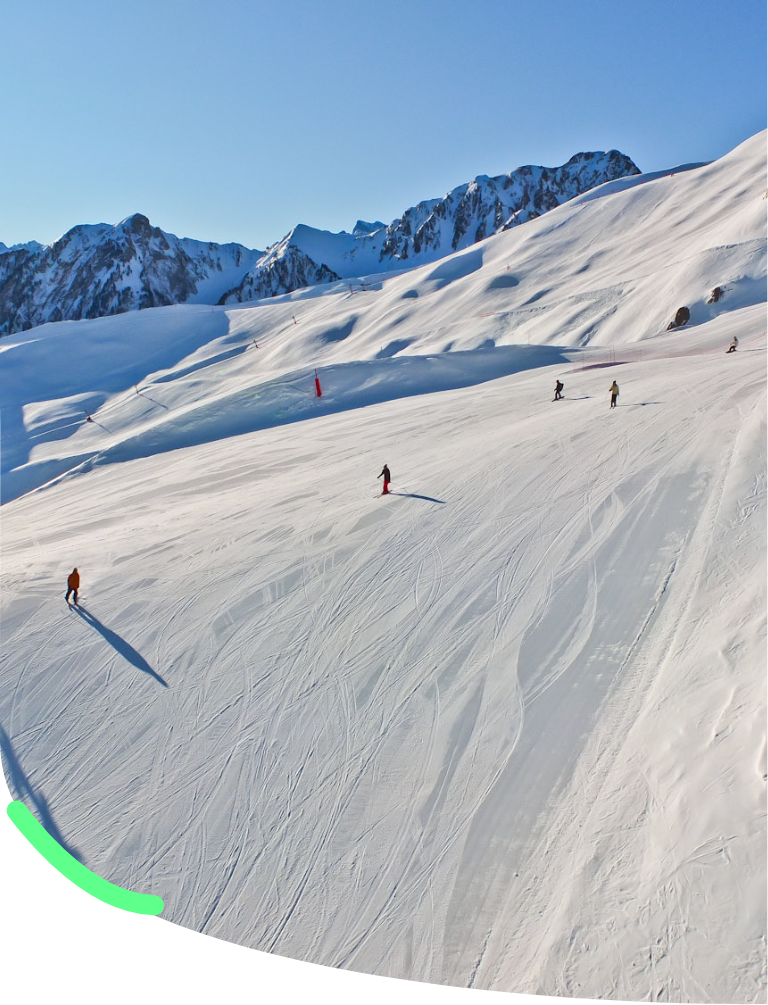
(682, 317)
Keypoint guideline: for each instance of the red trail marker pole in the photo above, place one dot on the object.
(317, 385)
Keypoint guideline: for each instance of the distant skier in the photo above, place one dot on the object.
(614, 389)
(558, 391)
(73, 584)
(387, 479)
(733, 346)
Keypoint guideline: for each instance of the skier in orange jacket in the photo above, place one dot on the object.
(73, 584)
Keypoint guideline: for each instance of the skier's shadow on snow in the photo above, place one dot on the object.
(159, 403)
(126, 651)
(414, 495)
(24, 791)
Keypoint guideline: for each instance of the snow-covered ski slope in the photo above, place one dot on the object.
(503, 729)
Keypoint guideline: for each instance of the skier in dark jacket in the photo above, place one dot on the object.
(73, 584)
(558, 390)
(387, 479)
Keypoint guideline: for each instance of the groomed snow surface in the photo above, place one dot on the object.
(502, 729)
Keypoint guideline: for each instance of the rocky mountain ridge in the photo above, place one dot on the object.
(97, 270)
(428, 231)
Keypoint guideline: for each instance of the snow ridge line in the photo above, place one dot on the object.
(654, 607)
(473, 975)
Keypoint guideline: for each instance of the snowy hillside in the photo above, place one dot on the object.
(429, 231)
(502, 729)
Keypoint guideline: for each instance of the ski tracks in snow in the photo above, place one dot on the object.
(583, 915)
(381, 714)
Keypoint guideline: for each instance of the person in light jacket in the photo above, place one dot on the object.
(614, 389)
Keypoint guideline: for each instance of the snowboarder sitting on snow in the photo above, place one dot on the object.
(614, 389)
(385, 472)
(558, 389)
(733, 345)
(73, 584)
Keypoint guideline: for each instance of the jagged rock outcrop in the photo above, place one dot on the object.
(96, 270)
(362, 229)
(486, 205)
(284, 268)
(682, 317)
(29, 246)
(432, 229)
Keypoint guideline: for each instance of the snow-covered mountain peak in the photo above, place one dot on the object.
(363, 229)
(26, 246)
(98, 269)
(430, 230)
(137, 225)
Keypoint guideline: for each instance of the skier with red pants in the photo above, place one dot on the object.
(387, 479)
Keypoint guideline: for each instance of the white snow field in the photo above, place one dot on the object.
(503, 729)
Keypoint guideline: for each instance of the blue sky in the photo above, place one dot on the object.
(233, 120)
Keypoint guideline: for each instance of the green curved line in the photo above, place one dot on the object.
(76, 872)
